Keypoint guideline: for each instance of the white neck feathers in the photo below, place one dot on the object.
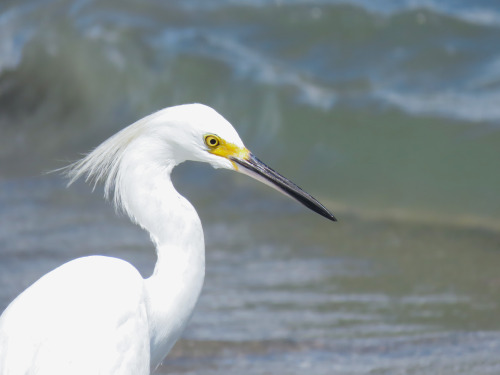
(136, 166)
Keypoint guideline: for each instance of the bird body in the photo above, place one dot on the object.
(97, 315)
(99, 325)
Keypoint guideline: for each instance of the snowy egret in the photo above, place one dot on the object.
(97, 315)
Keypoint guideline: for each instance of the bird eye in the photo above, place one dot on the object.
(212, 141)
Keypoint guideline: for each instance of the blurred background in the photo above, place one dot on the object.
(387, 111)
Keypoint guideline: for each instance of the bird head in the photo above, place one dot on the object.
(209, 137)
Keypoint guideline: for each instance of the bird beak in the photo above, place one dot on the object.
(253, 167)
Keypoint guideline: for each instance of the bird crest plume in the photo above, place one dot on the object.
(102, 165)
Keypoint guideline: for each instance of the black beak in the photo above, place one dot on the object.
(253, 167)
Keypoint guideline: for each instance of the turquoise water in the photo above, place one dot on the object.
(387, 113)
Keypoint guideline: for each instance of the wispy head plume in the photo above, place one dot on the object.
(102, 165)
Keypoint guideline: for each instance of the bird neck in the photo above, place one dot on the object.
(149, 197)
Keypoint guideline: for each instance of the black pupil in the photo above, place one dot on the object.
(213, 142)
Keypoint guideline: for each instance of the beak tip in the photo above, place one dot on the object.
(328, 215)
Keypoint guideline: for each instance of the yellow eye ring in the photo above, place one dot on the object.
(212, 141)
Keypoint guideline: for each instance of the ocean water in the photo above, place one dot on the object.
(386, 111)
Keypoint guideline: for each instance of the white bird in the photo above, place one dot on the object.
(97, 315)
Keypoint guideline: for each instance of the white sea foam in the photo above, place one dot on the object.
(479, 106)
(472, 12)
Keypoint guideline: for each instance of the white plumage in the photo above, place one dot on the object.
(97, 315)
